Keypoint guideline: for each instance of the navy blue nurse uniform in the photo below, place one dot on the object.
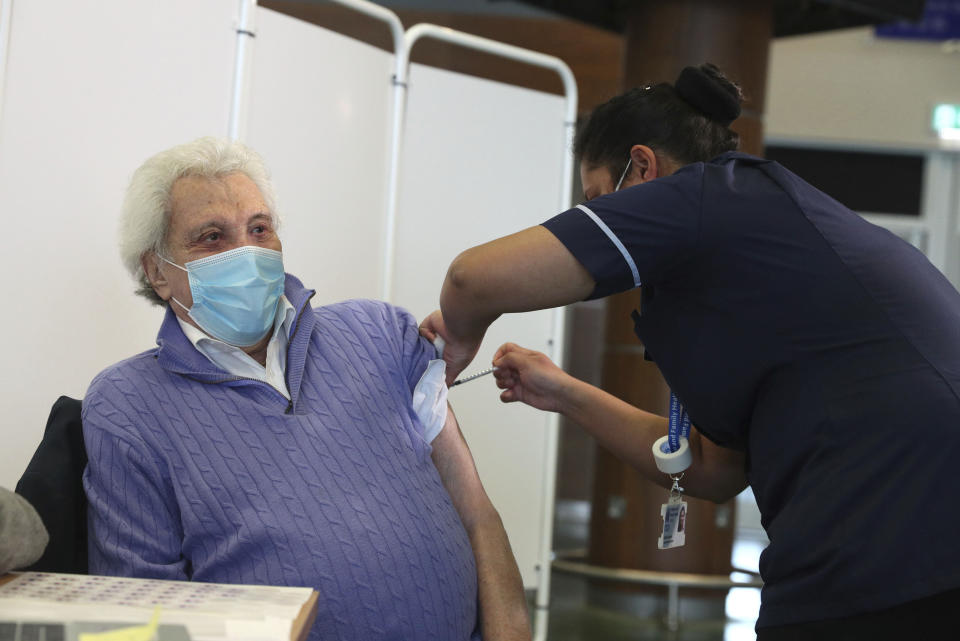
(824, 347)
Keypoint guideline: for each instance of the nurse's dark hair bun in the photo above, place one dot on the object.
(708, 91)
(687, 121)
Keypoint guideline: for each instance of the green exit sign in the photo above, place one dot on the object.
(946, 121)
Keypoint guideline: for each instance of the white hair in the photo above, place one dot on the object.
(145, 217)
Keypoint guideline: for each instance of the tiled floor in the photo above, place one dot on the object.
(573, 619)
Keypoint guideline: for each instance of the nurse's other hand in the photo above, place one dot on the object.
(529, 377)
(456, 352)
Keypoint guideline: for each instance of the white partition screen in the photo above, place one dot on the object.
(481, 160)
(318, 108)
(91, 90)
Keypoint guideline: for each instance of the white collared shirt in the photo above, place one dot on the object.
(238, 363)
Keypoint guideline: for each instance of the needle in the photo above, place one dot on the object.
(466, 379)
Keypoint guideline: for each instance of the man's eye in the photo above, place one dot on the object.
(259, 229)
(212, 237)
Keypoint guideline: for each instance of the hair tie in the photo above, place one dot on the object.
(705, 94)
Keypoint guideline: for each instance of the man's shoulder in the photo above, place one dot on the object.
(116, 395)
(131, 370)
(372, 316)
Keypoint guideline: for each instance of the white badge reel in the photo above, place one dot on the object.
(672, 463)
(674, 511)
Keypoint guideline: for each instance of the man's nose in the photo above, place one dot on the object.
(240, 240)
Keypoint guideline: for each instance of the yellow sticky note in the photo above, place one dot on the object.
(135, 633)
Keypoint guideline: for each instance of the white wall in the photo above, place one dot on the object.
(850, 86)
(91, 90)
(323, 128)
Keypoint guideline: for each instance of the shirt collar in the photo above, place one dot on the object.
(282, 322)
(177, 355)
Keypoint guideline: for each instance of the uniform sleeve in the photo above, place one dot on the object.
(133, 521)
(640, 234)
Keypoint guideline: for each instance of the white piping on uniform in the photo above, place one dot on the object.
(616, 241)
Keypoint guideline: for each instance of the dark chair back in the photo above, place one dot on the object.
(53, 483)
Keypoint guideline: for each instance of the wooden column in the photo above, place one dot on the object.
(661, 38)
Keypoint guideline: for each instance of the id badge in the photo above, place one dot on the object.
(674, 514)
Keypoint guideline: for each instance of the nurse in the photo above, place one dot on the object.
(816, 355)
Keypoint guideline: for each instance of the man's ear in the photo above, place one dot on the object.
(644, 165)
(151, 267)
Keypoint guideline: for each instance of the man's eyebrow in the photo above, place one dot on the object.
(219, 223)
(213, 223)
(260, 216)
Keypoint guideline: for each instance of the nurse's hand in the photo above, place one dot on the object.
(457, 353)
(530, 377)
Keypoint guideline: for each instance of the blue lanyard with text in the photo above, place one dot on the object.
(673, 458)
(679, 425)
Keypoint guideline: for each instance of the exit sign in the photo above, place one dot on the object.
(946, 121)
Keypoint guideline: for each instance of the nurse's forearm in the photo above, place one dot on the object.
(716, 473)
(625, 430)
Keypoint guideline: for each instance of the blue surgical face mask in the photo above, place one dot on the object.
(235, 293)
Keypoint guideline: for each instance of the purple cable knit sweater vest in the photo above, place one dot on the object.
(196, 474)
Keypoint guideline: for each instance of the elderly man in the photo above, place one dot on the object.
(263, 441)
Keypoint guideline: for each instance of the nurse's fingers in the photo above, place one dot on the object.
(509, 396)
(502, 350)
(510, 348)
(433, 324)
(518, 361)
(506, 381)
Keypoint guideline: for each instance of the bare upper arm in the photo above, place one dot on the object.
(458, 472)
(528, 270)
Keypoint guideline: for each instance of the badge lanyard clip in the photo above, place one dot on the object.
(676, 490)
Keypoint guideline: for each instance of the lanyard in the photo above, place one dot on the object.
(672, 459)
(679, 425)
